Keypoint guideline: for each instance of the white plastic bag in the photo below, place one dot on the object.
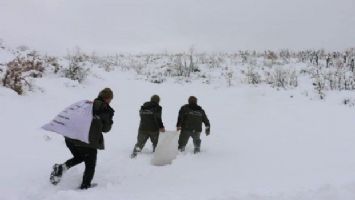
(167, 148)
(73, 122)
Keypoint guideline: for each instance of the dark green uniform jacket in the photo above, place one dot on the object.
(150, 114)
(102, 122)
(191, 117)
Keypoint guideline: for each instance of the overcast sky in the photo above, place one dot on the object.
(108, 26)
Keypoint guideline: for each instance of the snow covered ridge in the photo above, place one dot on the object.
(316, 69)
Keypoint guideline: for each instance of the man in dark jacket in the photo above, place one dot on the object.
(150, 124)
(83, 152)
(191, 117)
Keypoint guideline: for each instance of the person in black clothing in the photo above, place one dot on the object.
(190, 119)
(150, 124)
(87, 153)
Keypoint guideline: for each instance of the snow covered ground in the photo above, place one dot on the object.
(264, 144)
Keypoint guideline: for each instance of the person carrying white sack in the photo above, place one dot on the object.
(87, 152)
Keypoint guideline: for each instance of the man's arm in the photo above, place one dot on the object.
(103, 113)
(107, 121)
(205, 119)
(159, 118)
(206, 122)
(180, 118)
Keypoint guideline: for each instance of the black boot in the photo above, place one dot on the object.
(135, 152)
(57, 173)
(182, 149)
(87, 186)
(197, 144)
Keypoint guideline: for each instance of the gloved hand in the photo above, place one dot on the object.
(207, 131)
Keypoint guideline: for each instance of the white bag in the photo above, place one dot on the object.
(73, 122)
(167, 148)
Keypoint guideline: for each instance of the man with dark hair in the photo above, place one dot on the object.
(87, 153)
(191, 117)
(150, 124)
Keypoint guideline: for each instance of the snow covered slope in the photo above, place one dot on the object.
(264, 144)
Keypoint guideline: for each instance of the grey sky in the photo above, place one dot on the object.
(108, 26)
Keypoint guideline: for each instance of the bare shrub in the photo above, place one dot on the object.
(270, 58)
(76, 69)
(20, 70)
(228, 75)
(349, 101)
(319, 84)
(252, 76)
(52, 62)
(284, 78)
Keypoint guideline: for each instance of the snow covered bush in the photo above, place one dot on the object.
(21, 70)
(285, 55)
(136, 64)
(319, 84)
(213, 61)
(349, 101)
(283, 78)
(184, 65)
(229, 76)
(279, 69)
(51, 62)
(108, 63)
(156, 78)
(77, 69)
(252, 76)
(270, 58)
(335, 78)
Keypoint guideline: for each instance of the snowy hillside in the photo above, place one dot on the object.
(268, 141)
(264, 145)
(312, 72)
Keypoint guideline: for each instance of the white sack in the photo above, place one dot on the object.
(167, 148)
(73, 122)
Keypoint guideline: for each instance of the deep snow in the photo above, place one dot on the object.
(263, 144)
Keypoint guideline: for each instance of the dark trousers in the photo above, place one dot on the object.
(185, 136)
(143, 136)
(83, 154)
